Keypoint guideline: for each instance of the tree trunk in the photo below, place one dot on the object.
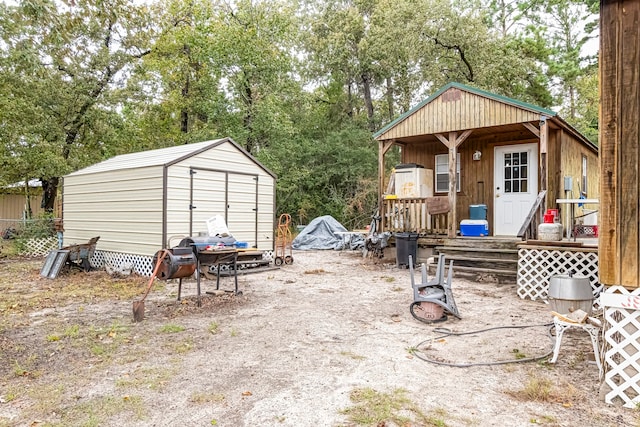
(368, 102)
(184, 113)
(49, 193)
(248, 117)
(50, 186)
(390, 98)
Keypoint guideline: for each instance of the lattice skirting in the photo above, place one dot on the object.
(536, 266)
(142, 265)
(38, 247)
(622, 345)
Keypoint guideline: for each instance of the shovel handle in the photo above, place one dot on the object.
(153, 275)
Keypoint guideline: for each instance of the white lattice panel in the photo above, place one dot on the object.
(39, 247)
(537, 265)
(622, 345)
(142, 265)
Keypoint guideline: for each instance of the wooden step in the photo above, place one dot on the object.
(504, 254)
(482, 262)
(493, 275)
(482, 242)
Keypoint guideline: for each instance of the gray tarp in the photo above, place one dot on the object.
(320, 234)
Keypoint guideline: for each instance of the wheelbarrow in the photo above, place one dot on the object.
(80, 254)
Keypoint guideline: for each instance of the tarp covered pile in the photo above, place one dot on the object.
(321, 234)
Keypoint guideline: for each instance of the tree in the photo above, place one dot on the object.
(61, 65)
(568, 25)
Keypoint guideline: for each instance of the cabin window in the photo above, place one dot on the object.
(583, 182)
(442, 173)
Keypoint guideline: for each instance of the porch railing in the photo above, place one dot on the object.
(416, 215)
(529, 229)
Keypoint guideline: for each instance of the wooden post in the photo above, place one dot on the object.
(453, 194)
(619, 217)
(383, 147)
(453, 143)
(544, 136)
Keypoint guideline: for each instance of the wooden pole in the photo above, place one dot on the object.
(619, 216)
(453, 193)
(383, 147)
(544, 136)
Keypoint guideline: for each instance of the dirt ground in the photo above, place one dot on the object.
(326, 341)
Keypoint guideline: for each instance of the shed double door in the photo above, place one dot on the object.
(232, 195)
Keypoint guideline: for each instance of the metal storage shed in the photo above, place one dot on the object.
(142, 202)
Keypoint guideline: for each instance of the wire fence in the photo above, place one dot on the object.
(28, 228)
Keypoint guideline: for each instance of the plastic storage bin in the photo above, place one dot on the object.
(406, 244)
(474, 227)
(478, 211)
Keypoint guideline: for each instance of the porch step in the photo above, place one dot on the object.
(474, 252)
(492, 275)
(483, 262)
(494, 260)
(483, 242)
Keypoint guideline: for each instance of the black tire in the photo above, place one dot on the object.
(278, 261)
(288, 260)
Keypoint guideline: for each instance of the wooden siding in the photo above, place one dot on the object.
(619, 254)
(12, 206)
(455, 110)
(555, 183)
(570, 165)
(476, 176)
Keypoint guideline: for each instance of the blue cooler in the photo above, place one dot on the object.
(474, 227)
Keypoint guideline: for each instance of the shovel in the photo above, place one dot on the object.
(138, 306)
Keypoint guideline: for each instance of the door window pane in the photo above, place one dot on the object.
(516, 172)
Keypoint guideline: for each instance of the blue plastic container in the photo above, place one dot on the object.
(478, 211)
(242, 245)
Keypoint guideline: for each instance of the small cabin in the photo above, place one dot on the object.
(464, 148)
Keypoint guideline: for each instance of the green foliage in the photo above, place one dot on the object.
(332, 175)
(300, 84)
(588, 96)
(59, 71)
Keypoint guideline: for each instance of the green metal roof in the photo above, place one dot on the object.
(474, 90)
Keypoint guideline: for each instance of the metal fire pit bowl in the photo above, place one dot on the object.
(177, 263)
(569, 293)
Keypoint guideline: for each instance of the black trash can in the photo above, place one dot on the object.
(406, 244)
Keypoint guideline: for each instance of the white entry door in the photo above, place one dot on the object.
(515, 186)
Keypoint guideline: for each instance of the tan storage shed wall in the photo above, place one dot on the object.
(131, 207)
(123, 207)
